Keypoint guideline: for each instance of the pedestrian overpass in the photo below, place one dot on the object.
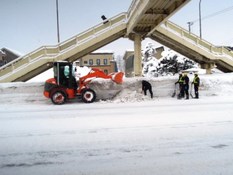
(145, 18)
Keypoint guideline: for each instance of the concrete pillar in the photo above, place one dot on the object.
(137, 55)
(208, 67)
(208, 71)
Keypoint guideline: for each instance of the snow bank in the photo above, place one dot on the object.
(130, 91)
(21, 92)
(211, 85)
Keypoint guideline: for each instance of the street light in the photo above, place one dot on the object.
(190, 24)
(58, 33)
(200, 18)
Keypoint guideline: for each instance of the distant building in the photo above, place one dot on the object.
(129, 63)
(159, 51)
(7, 55)
(102, 60)
(129, 60)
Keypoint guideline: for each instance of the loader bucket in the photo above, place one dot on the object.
(117, 77)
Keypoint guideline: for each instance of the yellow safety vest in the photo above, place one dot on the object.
(195, 80)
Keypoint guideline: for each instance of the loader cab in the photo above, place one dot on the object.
(63, 74)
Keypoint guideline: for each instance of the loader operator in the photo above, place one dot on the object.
(73, 82)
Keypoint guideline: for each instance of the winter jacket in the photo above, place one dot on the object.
(180, 80)
(196, 80)
(186, 80)
(145, 85)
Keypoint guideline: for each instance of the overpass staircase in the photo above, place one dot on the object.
(36, 62)
(191, 46)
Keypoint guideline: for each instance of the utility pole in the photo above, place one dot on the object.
(200, 18)
(58, 33)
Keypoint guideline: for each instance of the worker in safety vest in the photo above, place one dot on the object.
(181, 85)
(186, 85)
(196, 82)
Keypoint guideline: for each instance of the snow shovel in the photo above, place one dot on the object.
(174, 93)
(191, 94)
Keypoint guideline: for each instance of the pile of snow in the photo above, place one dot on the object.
(163, 87)
(170, 63)
(130, 91)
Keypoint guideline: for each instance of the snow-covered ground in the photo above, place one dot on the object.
(124, 133)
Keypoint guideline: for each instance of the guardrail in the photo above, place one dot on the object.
(133, 6)
(53, 51)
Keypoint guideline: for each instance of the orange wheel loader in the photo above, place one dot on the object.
(63, 86)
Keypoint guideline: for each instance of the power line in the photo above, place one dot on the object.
(214, 14)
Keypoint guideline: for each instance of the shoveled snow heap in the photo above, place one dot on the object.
(130, 91)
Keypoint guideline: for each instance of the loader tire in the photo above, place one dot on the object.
(58, 97)
(88, 96)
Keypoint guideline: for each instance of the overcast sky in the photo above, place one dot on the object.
(29, 24)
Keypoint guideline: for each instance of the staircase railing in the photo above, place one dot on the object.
(183, 33)
(53, 51)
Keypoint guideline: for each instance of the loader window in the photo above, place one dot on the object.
(55, 71)
(62, 77)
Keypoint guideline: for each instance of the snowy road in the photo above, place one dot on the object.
(162, 136)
